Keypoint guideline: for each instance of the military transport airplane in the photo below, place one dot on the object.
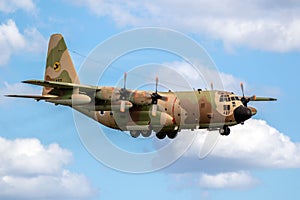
(139, 112)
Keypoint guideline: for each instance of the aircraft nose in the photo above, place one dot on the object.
(253, 110)
(242, 113)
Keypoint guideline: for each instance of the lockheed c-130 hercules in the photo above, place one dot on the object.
(137, 111)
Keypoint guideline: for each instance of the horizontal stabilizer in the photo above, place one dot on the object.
(62, 85)
(36, 97)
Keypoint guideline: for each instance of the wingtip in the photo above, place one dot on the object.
(29, 81)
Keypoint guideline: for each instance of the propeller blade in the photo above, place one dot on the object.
(211, 85)
(245, 100)
(124, 93)
(156, 84)
(242, 88)
(122, 106)
(155, 96)
(125, 76)
(154, 110)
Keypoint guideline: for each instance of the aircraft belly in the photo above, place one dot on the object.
(107, 119)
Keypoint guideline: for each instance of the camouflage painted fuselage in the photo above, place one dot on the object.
(180, 110)
(138, 111)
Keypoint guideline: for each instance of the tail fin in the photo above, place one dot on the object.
(59, 65)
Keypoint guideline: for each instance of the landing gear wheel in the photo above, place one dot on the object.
(224, 131)
(172, 135)
(146, 133)
(161, 135)
(135, 134)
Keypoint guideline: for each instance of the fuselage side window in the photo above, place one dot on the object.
(226, 109)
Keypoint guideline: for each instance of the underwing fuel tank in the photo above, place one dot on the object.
(75, 100)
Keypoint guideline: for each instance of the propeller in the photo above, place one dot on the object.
(155, 96)
(211, 85)
(245, 100)
(124, 94)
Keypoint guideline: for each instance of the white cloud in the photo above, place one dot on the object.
(255, 144)
(13, 41)
(267, 25)
(8, 6)
(10, 40)
(35, 41)
(230, 180)
(30, 170)
(21, 151)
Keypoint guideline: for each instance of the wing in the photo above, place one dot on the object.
(89, 97)
(255, 98)
(262, 99)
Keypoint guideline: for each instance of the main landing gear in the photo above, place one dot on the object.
(224, 131)
(159, 135)
(144, 133)
(162, 135)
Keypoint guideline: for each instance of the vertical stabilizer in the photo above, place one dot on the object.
(59, 65)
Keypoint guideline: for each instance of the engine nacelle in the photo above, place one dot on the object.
(80, 99)
(117, 105)
(75, 100)
(106, 93)
(141, 98)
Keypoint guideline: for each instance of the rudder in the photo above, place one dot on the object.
(59, 65)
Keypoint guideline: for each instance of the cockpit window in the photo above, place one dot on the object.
(222, 98)
(225, 98)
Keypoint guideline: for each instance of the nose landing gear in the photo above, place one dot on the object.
(225, 131)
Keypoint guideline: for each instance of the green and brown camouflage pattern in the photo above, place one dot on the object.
(175, 111)
(59, 66)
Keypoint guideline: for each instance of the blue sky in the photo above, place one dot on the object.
(41, 155)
